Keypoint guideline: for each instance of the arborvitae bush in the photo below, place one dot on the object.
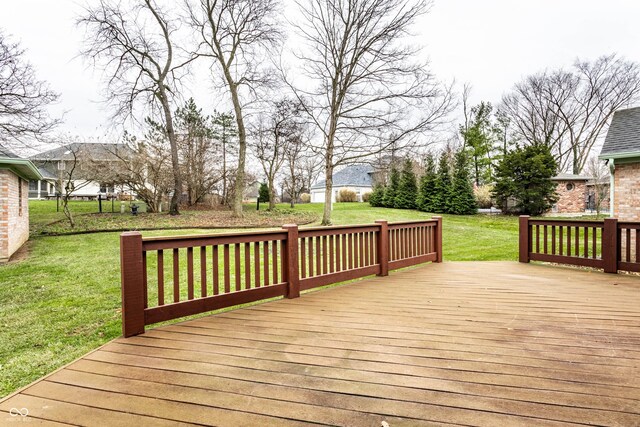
(376, 198)
(463, 202)
(427, 189)
(442, 194)
(408, 187)
(524, 175)
(263, 193)
(390, 192)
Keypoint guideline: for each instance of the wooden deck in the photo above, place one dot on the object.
(492, 344)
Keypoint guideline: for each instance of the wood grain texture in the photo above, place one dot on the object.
(477, 343)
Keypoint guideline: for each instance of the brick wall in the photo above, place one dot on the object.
(14, 221)
(626, 200)
(571, 201)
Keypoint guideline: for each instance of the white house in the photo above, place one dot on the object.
(358, 178)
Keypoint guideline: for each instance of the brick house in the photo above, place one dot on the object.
(15, 174)
(572, 191)
(621, 150)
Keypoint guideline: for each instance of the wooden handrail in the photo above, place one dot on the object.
(608, 244)
(208, 272)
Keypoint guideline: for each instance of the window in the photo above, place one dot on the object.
(19, 196)
(570, 186)
(33, 185)
(61, 166)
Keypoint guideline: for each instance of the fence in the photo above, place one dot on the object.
(165, 278)
(609, 244)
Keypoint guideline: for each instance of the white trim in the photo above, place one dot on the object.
(612, 192)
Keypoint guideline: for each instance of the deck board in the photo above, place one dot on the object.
(444, 344)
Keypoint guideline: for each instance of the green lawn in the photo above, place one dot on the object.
(63, 299)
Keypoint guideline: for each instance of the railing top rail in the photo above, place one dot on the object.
(330, 231)
(567, 222)
(216, 235)
(629, 224)
(413, 222)
(338, 227)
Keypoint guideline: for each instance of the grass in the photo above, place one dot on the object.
(63, 299)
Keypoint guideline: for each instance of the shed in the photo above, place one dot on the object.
(15, 174)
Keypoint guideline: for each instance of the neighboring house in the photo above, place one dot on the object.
(621, 150)
(94, 164)
(358, 178)
(251, 192)
(572, 192)
(15, 174)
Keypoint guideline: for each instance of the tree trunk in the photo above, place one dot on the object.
(175, 163)
(272, 194)
(328, 189)
(242, 147)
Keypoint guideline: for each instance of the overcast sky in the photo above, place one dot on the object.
(489, 43)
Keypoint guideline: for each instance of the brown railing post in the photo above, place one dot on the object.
(438, 238)
(525, 238)
(132, 282)
(291, 261)
(610, 245)
(383, 247)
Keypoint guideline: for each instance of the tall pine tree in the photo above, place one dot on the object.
(390, 192)
(427, 185)
(408, 187)
(442, 194)
(463, 201)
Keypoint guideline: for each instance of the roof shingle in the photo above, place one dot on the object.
(624, 133)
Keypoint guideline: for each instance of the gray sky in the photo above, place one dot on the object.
(489, 43)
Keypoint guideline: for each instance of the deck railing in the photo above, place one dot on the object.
(607, 244)
(165, 278)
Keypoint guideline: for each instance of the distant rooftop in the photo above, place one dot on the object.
(623, 136)
(571, 177)
(354, 175)
(95, 151)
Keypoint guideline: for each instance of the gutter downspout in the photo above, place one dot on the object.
(612, 170)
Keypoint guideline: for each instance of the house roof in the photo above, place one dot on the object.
(92, 150)
(354, 175)
(570, 177)
(623, 137)
(21, 167)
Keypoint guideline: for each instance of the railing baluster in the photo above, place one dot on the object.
(318, 256)
(227, 270)
(176, 275)
(190, 293)
(331, 254)
(274, 251)
(545, 239)
(594, 238)
(215, 267)
(367, 236)
(283, 261)
(537, 239)
(325, 256)
(577, 242)
(638, 245)
(203, 271)
(628, 247)
(561, 238)
(311, 259)
(236, 264)
(160, 277)
(265, 250)
(256, 263)
(553, 239)
(144, 278)
(338, 258)
(569, 241)
(303, 257)
(586, 242)
(247, 265)
(344, 251)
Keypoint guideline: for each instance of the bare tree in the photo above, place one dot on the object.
(135, 46)
(237, 35)
(224, 131)
(599, 172)
(570, 110)
(145, 168)
(23, 98)
(365, 85)
(276, 132)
